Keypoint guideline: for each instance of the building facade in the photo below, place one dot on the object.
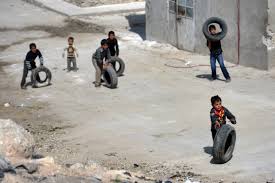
(179, 22)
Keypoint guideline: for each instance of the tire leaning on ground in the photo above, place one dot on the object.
(121, 63)
(219, 36)
(224, 144)
(37, 71)
(110, 77)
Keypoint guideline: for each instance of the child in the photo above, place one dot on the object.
(101, 58)
(216, 54)
(29, 63)
(218, 115)
(113, 45)
(71, 54)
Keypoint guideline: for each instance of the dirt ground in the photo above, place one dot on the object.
(156, 121)
(88, 3)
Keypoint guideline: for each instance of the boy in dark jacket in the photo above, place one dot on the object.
(216, 54)
(29, 63)
(218, 115)
(101, 59)
(113, 46)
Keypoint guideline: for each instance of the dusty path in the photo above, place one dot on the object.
(158, 114)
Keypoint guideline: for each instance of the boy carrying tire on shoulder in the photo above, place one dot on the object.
(30, 65)
(72, 53)
(216, 55)
(101, 59)
(218, 115)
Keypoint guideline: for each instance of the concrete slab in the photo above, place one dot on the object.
(68, 9)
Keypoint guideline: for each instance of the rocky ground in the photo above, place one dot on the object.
(88, 3)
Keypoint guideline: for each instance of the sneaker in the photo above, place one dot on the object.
(97, 85)
(228, 80)
(23, 87)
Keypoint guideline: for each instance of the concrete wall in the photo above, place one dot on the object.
(187, 34)
(271, 27)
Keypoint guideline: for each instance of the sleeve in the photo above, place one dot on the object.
(40, 57)
(28, 62)
(97, 55)
(76, 51)
(117, 48)
(64, 52)
(213, 117)
(230, 116)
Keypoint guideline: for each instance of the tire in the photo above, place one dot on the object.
(110, 77)
(37, 71)
(121, 68)
(219, 36)
(224, 144)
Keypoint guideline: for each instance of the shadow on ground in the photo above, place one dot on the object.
(208, 77)
(137, 24)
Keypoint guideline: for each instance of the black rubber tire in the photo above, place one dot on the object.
(121, 63)
(219, 36)
(110, 77)
(36, 72)
(224, 144)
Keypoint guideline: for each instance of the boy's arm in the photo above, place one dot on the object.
(40, 58)
(64, 52)
(28, 62)
(117, 48)
(213, 117)
(230, 116)
(208, 44)
(98, 55)
(76, 51)
(108, 56)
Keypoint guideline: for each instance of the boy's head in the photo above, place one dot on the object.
(212, 29)
(216, 102)
(33, 47)
(104, 44)
(70, 40)
(111, 35)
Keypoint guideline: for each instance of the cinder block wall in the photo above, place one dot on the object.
(271, 27)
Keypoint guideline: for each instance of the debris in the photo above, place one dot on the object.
(30, 167)
(5, 165)
(111, 154)
(7, 105)
(136, 165)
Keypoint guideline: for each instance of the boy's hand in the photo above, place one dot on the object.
(217, 125)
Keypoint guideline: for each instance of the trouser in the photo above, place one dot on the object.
(25, 75)
(213, 59)
(71, 60)
(214, 132)
(113, 62)
(98, 71)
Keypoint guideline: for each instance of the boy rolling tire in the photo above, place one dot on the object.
(35, 74)
(219, 36)
(224, 144)
(110, 77)
(121, 64)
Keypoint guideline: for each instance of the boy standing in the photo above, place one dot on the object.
(71, 54)
(216, 54)
(29, 63)
(113, 45)
(218, 115)
(101, 59)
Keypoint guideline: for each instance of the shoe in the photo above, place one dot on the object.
(213, 79)
(228, 80)
(97, 85)
(23, 87)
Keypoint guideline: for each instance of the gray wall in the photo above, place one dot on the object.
(186, 34)
(271, 27)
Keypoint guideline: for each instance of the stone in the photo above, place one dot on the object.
(15, 141)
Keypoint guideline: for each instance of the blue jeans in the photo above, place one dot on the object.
(213, 59)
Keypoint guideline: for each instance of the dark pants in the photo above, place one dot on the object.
(25, 75)
(214, 132)
(219, 58)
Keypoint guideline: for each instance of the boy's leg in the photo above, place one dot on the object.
(213, 66)
(97, 73)
(214, 132)
(223, 68)
(74, 64)
(25, 74)
(68, 63)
